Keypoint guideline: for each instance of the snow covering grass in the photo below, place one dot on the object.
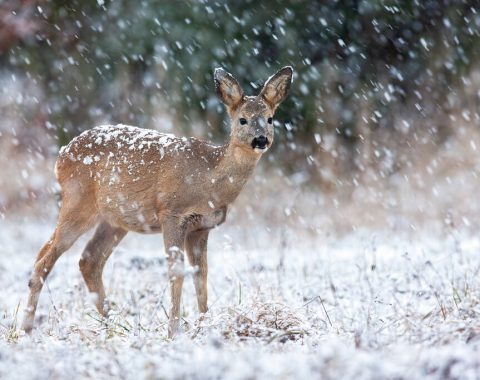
(283, 304)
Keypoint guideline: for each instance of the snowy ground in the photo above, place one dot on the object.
(284, 303)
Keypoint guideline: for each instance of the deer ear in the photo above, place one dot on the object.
(277, 86)
(228, 88)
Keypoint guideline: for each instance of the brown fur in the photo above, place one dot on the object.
(130, 179)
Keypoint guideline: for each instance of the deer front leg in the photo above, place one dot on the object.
(174, 238)
(196, 247)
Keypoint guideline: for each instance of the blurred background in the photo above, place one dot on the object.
(381, 126)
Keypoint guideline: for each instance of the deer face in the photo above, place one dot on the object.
(252, 116)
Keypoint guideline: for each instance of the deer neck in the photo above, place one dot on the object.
(233, 170)
(238, 159)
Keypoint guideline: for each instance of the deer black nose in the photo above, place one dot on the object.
(260, 142)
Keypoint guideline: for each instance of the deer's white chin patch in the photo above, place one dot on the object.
(258, 150)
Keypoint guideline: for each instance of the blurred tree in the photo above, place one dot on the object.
(357, 63)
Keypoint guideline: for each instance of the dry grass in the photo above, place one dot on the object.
(262, 321)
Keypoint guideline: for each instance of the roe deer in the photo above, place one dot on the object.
(131, 179)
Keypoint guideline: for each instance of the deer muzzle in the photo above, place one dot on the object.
(260, 142)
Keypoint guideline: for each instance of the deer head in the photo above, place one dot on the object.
(252, 116)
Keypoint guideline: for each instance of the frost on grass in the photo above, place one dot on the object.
(262, 321)
(361, 305)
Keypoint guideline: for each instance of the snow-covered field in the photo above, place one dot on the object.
(285, 302)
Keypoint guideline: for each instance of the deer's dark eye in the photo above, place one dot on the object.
(270, 120)
(243, 121)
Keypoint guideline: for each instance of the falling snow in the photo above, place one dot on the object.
(352, 252)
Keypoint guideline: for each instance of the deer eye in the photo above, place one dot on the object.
(270, 120)
(243, 121)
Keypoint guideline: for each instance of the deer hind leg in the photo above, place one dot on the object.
(72, 223)
(94, 257)
(196, 247)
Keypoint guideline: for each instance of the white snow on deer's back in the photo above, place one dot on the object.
(134, 138)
